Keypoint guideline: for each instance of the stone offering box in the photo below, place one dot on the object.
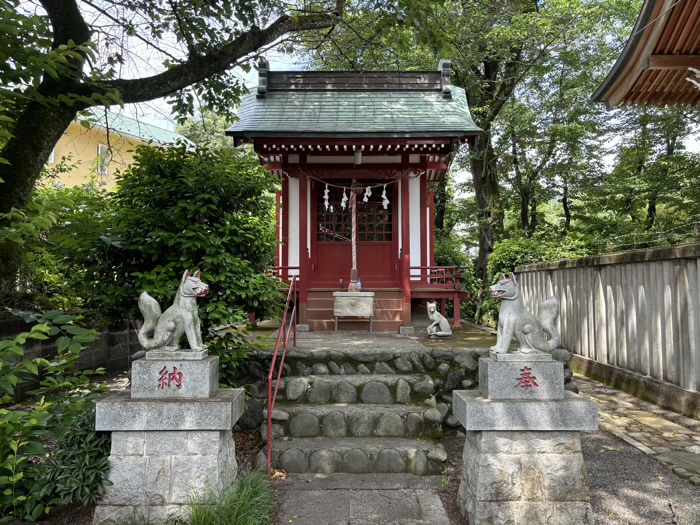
(171, 438)
(522, 459)
(353, 304)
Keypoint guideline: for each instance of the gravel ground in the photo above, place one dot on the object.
(629, 488)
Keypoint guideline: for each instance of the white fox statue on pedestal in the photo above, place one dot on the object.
(164, 331)
(514, 320)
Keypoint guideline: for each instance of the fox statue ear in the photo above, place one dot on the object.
(512, 278)
(501, 277)
(196, 274)
(185, 275)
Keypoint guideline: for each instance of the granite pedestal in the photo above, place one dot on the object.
(171, 438)
(522, 461)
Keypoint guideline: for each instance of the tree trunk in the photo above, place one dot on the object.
(37, 131)
(440, 206)
(567, 208)
(524, 210)
(651, 212)
(533, 218)
(488, 200)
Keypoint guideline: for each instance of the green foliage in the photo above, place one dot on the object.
(77, 471)
(513, 252)
(176, 210)
(250, 501)
(54, 237)
(63, 393)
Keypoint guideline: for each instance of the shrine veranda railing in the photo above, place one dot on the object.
(288, 327)
(423, 277)
(437, 277)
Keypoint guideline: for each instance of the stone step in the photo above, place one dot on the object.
(341, 420)
(357, 455)
(398, 354)
(358, 388)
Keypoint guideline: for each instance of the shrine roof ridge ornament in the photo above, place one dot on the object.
(321, 104)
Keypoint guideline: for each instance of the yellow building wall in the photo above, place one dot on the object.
(80, 147)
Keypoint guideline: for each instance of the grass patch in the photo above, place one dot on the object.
(250, 501)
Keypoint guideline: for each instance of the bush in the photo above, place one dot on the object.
(199, 210)
(521, 250)
(77, 471)
(62, 395)
(53, 239)
(510, 253)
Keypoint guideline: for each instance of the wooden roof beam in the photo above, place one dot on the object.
(673, 62)
(651, 34)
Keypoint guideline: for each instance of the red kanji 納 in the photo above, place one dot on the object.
(168, 378)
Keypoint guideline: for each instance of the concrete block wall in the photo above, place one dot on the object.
(112, 351)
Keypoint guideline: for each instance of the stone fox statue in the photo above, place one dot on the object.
(439, 327)
(515, 321)
(164, 331)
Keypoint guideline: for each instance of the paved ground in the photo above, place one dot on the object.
(665, 436)
(362, 499)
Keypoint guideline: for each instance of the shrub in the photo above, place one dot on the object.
(77, 471)
(510, 253)
(521, 250)
(62, 394)
(176, 209)
(52, 239)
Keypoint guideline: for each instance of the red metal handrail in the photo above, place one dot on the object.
(282, 341)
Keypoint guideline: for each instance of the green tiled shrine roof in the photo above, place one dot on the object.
(318, 113)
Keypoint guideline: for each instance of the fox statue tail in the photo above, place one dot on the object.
(547, 316)
(150, 309)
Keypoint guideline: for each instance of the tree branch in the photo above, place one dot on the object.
(198, 68)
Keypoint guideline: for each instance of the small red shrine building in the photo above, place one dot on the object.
(389, 137)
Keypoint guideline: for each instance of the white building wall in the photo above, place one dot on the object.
(414, 223)
(293, 217)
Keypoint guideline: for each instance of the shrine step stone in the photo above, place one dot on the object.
(357, 388)
(399, 355)
(357, 455)
(341, 420)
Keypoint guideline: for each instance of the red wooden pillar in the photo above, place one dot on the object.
(457, 313)
(405, 252)
(304, 272)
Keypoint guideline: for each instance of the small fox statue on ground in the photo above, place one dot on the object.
(514, 320)
(439, 327)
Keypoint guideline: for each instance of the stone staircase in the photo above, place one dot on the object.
(356, 404)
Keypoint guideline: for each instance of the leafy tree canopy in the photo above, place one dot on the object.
(59, 57)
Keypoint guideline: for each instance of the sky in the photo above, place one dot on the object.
(157, 112)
